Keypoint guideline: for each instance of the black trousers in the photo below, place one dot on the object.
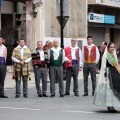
(2, 78)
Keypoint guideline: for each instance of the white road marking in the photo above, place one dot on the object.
(86, 112)
(78, 111)
(12, 108)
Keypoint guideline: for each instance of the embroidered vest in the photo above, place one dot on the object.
(58, 62)
(68, 54)
(90, 58)
(36, 60)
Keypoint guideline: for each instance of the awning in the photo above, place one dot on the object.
(116, 26)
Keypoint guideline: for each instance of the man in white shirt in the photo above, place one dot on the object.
(21, 57)
(3, 55)
(90, 57)
(56, 57)
(73, 64)
(40, 69)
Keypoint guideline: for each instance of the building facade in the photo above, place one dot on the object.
(7, 20)
(104, 20)
(99, 18)
(76, 25)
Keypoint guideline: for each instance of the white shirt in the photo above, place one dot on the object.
(89, 49)
(42, 56)
(22, 52)
(56, 53)
(1, 52)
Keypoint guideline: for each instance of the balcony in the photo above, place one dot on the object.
(17, 0)
(108, 3)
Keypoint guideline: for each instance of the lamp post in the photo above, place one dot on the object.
(61, 20)
(62, 17)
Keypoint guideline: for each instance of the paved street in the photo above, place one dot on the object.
(67, 108)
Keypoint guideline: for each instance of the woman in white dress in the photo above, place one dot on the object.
(108, 88)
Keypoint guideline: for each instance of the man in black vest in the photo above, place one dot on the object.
(40, 69)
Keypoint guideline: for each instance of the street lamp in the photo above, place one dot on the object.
(61, 22)
(62, 17)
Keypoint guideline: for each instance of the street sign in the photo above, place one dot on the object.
(65, 19)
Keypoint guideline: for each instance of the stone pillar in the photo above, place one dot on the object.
(30, 39)
(37, 25)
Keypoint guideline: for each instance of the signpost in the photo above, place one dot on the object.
(62, 17)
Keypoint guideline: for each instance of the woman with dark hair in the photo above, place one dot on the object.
(108, 88)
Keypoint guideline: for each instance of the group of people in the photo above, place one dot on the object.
(54, 60)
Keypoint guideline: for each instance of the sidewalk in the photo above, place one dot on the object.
(10, 83)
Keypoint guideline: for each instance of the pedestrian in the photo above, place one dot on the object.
(21, 57)
(3, 67)
(48, 45)
(103, 46)
(56, 57)
(107, 92)
(90, 58)
(3, 42)
(73, 63)
(40, 69)
(46, 48)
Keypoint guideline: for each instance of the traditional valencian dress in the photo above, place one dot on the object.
(108, 90)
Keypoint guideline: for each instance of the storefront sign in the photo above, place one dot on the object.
(101, 18)
(109, 19)
(98, 18)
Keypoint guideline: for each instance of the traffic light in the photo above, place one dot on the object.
(17, 20)
(20, 15)
(24, 13)
(21, 9)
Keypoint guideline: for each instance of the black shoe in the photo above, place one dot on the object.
(40, 95)
(76, 94)
(67, 93)
(17, 96)
(25, 96)
(86, 94)
(61, 95)
(44, 95)
(52, 95)
(3, 96)
(111, 109)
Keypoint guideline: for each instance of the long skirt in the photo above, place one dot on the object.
(106, 94)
